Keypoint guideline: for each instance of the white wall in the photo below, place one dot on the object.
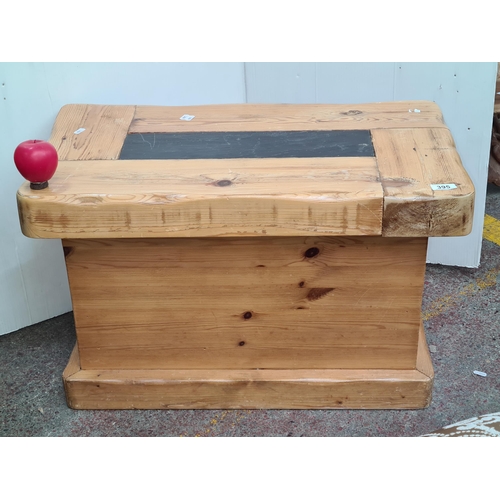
(464, 91)
(33, 283)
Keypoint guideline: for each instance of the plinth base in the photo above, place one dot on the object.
(250, 389)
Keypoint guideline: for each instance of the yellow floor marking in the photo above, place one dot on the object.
(240, 415)
(213, 423)
(442, 304)
(491, 231)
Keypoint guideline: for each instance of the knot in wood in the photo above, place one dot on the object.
(311, 252)
(223, 183)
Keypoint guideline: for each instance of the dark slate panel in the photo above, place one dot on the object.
(222, 145)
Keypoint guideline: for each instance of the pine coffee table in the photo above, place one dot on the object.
(249, 256)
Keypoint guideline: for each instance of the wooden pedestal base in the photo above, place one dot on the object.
(250, 389)
(291, 322)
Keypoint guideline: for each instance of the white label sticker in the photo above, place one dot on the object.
(187, 118)
(443, 187)
(79, 131)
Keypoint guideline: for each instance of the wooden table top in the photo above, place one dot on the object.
(388, 169)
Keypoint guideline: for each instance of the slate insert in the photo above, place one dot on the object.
(224, 145)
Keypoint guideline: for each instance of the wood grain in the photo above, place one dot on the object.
(231, 303)
(105, 130)
(179, 198)
(251, 389)
(424, 362)
(73, 365)
(282, 117)
(409, 161)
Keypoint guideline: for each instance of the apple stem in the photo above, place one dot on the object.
(39, 185)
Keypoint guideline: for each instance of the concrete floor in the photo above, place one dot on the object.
(461, 317)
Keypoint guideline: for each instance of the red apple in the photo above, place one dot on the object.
(36, 161)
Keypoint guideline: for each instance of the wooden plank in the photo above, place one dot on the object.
(71, 369)
(251, 389)
(281, 117)
(237, 197)
(222, 389)
(278, 303)
(223, 145)
(410, 162)
(183, 198)
(424, 362)
(213, 253)
(105, 129)
(73, 365)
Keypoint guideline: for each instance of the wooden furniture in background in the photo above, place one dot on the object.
(494, 164)
(251, 256)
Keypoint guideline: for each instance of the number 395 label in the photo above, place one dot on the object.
(443, 187)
